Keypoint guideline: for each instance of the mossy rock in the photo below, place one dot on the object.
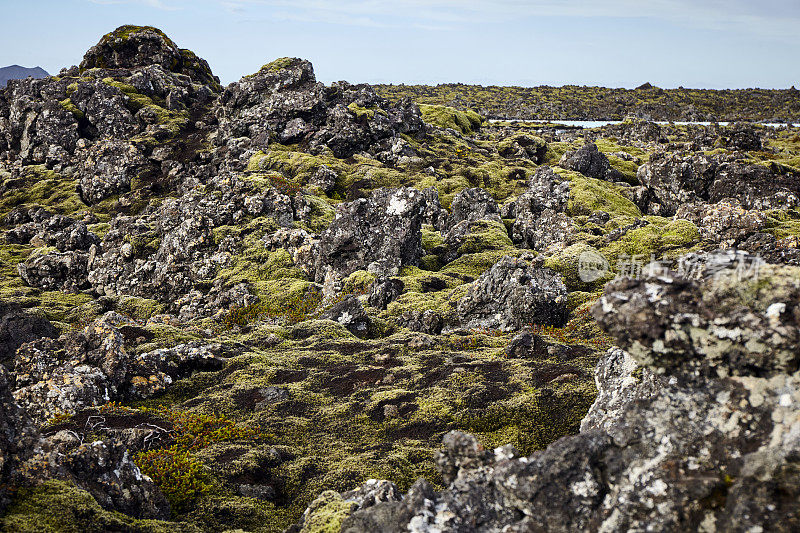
(661, 237)
(567, 262)
(57, 506)
(466, 122)
(588, 195)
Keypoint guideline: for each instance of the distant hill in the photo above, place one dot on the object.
(16, 72)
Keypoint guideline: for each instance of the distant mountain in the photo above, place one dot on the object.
(16, 72)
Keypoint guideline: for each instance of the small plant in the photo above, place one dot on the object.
(470, 342)
(176, 471)
(284, 186)
(59, 418)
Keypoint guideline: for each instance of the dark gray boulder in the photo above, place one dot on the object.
(589, 161)
(512, 294)
(380, 234)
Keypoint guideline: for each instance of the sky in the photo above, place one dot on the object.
(612, 43)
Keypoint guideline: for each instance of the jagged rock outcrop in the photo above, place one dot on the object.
(39, 226)
(18, 327)
(724, 222)
(281, 249)
(379, 234)
(512, 294)
(64, 271)
(473, 204)
(677, 179)
(129, 47)
(104, 468)
(17, 434)
(540, 212)
(283, 101)
(589, 161)
(91, 367)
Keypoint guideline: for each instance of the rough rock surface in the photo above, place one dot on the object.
(284, 100)
(540, 210)
(92, 367)
(676, 179)
(238, 299)
(130, 47)
(17, 433)
(18, 327)
(379, 234)
(473, 204)
(589, 161)
(512, 294)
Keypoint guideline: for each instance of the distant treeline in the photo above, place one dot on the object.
(572, 102)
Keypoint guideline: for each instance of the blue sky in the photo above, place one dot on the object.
(616, 43)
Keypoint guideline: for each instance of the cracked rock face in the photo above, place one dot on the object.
(512, 294)
(589, 161)
(728, 319)
(130, 47)
(91, 367)
(540, 219)
(380, 234)
(283, 99)
(677, 179)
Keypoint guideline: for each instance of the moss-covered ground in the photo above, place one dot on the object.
(301, 405)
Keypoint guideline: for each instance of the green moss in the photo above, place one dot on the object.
(567, 263)
(783, 223)
(627, 168)
(588, 195)
(124, 33)
(361, 112)
(139, 308)
(172, 122)
(279, 64)
(165, 336)
(327, 512)
(292, 164)
(38, 185)
(358, 282)
(661, 237)
(72, 108)
(470, 266)
(431, 238)
(465, 122)
(508, 145)
(56, 506)
(484, 236)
